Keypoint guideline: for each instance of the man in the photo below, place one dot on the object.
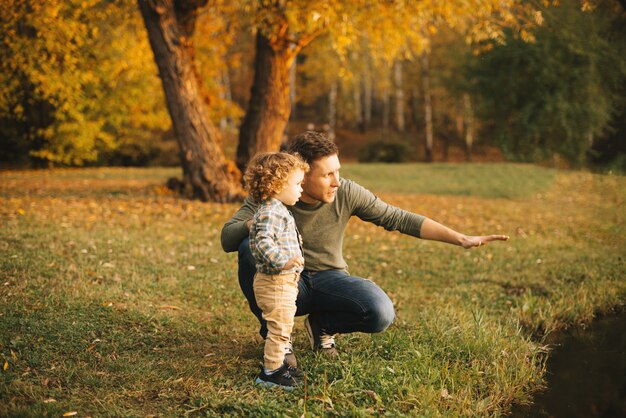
(335, 301)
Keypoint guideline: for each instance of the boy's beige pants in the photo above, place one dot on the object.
(276, 296)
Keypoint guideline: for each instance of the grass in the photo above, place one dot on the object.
(118, 300)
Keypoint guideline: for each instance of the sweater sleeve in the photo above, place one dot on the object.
(235, 230)
(370, 208)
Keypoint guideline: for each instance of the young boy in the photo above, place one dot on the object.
(274, 181)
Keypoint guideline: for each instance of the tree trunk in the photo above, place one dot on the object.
(268, 112)
(428, 109)
(386, 109)
(332, 110)
(292, 87)
(399, 96)
(358, 106)
(469, 126)
(367, 94)
(458, 119)
(208, 175)
(226, 122)
(416, 106)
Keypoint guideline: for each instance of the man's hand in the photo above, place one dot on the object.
(294, 262)
(478, 241)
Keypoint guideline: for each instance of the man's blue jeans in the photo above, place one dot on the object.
(336, 301)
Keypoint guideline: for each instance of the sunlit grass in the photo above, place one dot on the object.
(498, 180)
(118, 300)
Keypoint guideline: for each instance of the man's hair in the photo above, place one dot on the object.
(312, 146)
(267, 173)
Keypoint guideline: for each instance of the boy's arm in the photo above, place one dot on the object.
(268, 226)
(236, 228)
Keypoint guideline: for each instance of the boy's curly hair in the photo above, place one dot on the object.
(267, 173)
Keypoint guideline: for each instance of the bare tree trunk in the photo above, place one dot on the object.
(447, 130)
(428, 109)
(292, 88)
(399, 96)
(458, 118)
(358, 106)
(332, 110)
(415, 106)
(469, 126)
(268, 112)
(226, 121)
(208, 175)
(386, 109)
(367, 94)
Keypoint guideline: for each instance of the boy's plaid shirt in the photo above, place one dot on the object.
(274, 238)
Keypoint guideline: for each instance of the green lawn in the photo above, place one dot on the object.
(117, 299)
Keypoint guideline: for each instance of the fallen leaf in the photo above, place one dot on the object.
(175, 308)
(70, 414)
(6, 365)
(49, 400)
(191, 267)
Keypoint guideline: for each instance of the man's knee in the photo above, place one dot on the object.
(382, 314)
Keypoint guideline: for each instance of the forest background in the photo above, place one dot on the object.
(390, 80)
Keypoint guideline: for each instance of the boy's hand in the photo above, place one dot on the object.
(294, 262)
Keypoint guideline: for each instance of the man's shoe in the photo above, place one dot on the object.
(319, 340)
(280, 378)
(290, 357)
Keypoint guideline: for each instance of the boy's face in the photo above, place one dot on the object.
(322, 180)
(292, 190)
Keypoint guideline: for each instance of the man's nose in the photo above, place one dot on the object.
(335, 181)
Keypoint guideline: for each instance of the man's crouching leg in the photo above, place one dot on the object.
(345, 304)
(247, 270)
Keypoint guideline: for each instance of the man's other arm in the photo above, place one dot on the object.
(236, 229)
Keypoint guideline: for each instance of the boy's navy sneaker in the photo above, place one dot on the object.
(280, 378)
(320, 341)
(294, 371)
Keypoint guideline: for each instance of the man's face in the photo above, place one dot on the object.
(322, 180)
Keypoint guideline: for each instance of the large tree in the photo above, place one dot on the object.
(284, 28)
(207, 174)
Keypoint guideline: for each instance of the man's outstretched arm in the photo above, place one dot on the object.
(435, 231)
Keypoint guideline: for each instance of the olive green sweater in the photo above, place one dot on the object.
(322, 225)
